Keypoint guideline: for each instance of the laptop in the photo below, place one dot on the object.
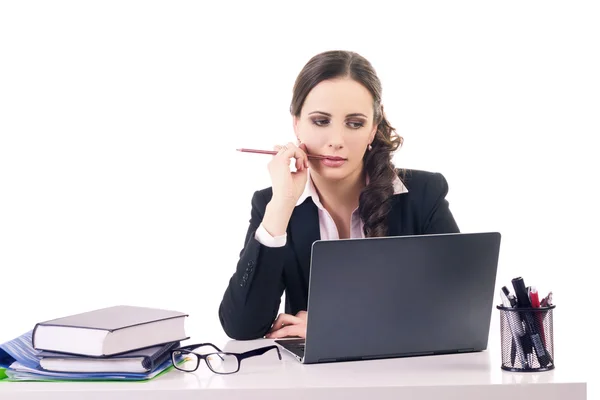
(398, 296)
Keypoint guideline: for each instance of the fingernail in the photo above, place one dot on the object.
(306, 163)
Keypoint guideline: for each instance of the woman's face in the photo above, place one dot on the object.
(337, 120)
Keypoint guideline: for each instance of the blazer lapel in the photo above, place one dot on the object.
(394, 219)
(304, 231)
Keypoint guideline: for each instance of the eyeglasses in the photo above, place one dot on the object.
(219, 362)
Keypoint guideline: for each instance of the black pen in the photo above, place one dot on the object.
(516, 329)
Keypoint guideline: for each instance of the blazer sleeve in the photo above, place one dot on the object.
(252, 298)
(437, 215)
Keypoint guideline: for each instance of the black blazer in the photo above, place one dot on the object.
(251, 301)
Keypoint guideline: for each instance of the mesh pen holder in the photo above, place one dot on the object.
(527, 339)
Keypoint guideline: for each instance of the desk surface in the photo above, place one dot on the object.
(460, 376)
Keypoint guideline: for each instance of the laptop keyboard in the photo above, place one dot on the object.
(295, 346)
(297, 349)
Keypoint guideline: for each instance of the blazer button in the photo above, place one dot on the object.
(245, 277)
(251, 263)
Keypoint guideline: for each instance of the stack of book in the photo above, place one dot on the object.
(115, 343)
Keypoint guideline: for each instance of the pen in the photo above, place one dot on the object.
(532, 333)
(513, 345)
(534, 297)
(547, 301)
(535, 303)
(518, 302)
(520, 329)
(511, 298)
(514, 324)
(521, 293)
(525, 341)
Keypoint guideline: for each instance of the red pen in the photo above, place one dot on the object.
(534, 297)
(535, 303)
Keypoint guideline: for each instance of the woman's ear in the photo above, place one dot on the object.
(373, 133)
(295, 121)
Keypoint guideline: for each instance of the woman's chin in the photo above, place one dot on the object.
(337, 173)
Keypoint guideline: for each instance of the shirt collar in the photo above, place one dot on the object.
(311, 191)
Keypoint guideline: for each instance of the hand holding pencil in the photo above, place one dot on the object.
(287, 185)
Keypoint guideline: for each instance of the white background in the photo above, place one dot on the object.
(119, 120)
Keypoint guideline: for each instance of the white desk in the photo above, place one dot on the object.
(465, 376)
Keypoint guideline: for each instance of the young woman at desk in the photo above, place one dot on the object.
(356, 192)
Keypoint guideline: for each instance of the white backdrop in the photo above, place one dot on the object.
(119, 120)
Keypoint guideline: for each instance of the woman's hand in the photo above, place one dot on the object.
(288, 325)
(287, 187)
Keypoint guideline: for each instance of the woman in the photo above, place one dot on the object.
(356, 192)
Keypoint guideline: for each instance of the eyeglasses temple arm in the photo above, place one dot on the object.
(259, 351)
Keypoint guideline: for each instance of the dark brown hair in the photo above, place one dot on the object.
(374, 200)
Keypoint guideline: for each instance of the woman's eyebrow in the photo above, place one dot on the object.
(329, 115)
(320, 112)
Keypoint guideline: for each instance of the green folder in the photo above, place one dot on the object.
(4, 378)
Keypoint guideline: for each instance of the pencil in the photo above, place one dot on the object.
(273, 152)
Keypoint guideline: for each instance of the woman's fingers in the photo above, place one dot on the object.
(289, 330)
(285, 319)
(290, 150)
(305, 151)
(300, 155)
(303, 315)
(288, 325)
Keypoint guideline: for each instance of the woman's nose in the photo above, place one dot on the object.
(336, 139)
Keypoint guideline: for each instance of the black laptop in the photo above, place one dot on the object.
(398, 296)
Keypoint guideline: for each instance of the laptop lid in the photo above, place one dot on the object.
(400, 296)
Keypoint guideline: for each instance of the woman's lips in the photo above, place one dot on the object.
(333, 161)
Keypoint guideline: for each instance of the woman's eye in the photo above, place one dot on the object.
(356, 124)
(321, 122)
